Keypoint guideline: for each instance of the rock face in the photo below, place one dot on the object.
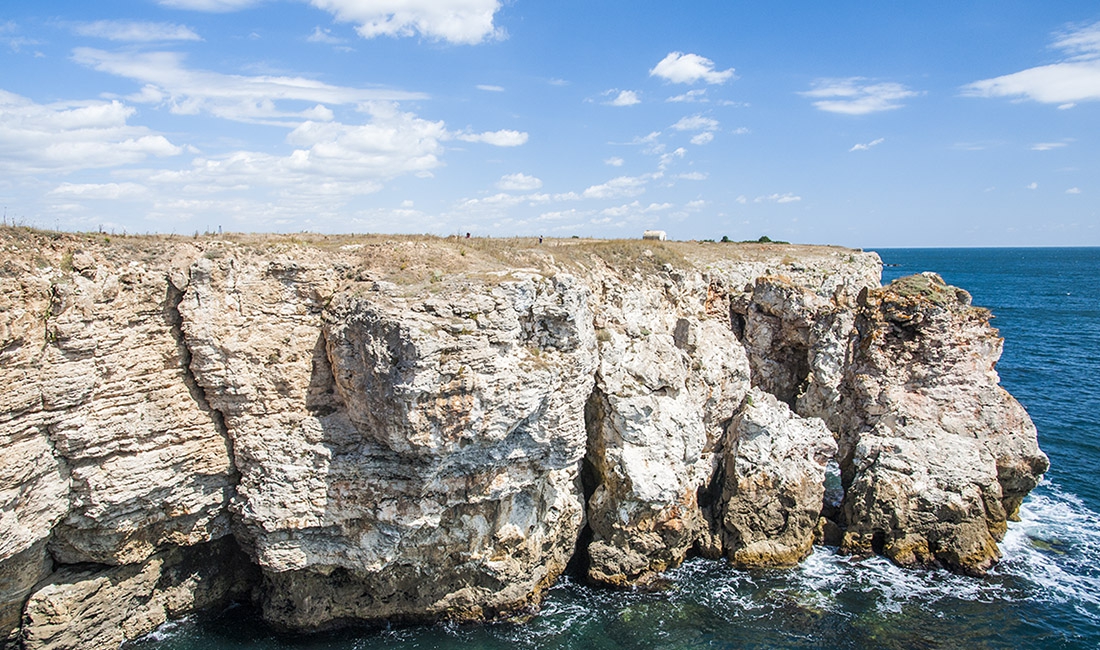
(407, 429)
(773, 483)
(104, 607)
(935, 455)
(669, 379)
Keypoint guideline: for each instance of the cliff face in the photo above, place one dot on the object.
(413, 429)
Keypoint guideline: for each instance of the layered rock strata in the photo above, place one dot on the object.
(935, 456)
(413, 429)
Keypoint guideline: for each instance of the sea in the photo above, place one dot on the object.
(1044, 594)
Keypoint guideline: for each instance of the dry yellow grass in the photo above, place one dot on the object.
(415, 259)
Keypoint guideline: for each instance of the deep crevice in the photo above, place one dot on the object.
(590, 479)
(172, 299)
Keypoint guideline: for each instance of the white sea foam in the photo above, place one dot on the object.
(168, 630)
(1054, 548)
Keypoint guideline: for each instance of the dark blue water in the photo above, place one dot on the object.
(1044, 595)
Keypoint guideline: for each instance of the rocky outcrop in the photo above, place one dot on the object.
(108, 452)
(102, 607)
(934, 454)
(773, 483)
(415, 429)
(669, 379)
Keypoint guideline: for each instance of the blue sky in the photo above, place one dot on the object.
(855, 123)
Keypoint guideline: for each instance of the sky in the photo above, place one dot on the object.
(865, 124)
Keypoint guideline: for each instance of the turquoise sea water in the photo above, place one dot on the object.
(1045, 594)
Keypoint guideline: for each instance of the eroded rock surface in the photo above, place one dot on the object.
(103, 607)
(669, 379)
(773, 483)
(935, 455)
(416, 429)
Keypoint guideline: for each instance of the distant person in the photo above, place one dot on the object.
(540, 239)
(467, 235)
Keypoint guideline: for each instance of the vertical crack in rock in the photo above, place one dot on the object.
(590, 479)
(172, 299)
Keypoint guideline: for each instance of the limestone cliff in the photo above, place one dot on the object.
(404, 428)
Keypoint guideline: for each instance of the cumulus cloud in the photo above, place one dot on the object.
(1073, 190)
(1032, 186)
(519, 183)
(489, 88)
(329, 158)
(623, 98)
(696, 123)
(694, 176)
(778, 198)
(857, 95)
(455, 21)
(70, 136)
(691, 96)
(702, 138)
(134, 31)
(635, 208)
(1074, 79)
(682, 68)
(865, 146)
(614, 161)
(502, 138)
(236, 97)
(617, 187)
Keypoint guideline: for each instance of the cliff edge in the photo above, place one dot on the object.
(395, 428)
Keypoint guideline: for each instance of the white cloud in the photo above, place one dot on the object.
(614, 161)
(69, 136)
(8, 36)
(678, 67)
(1048, 146)
(742, 199)
(694, 176)
(691, 96)
(635, 208)
(519, 183)
(213, 6)
(489, 88)
(617, 187)
(133, 31)
(670, 157)
(104, 191)
(778, 198)
(1076, 78)
(321, 35)
(1073, 190)
(502, 138)
(455, 21)
(233, 97)
(624, 98)
(857, 96)
(696, 123)
(864, 147)
(1032, 186)
(702, 138)
(742, 130)
(330, 159)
